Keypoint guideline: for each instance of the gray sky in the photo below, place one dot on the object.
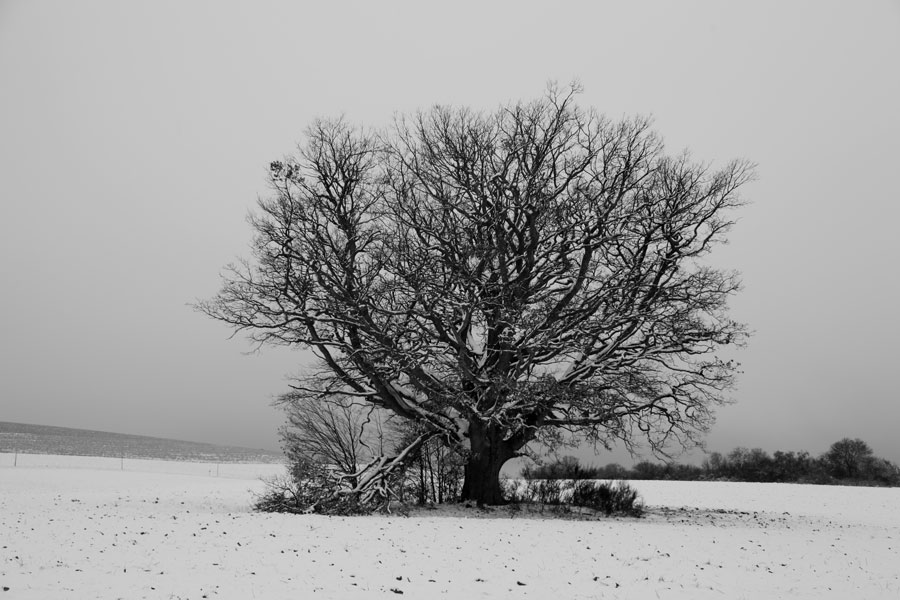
(134, 138)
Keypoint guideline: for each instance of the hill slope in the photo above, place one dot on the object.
(44, 439)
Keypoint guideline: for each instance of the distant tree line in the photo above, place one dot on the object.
(847, 462)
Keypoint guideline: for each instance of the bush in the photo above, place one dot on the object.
(547, 491)
(309, 487)
(608, 497)
(883, 472)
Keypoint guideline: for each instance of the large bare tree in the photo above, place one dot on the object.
(499, 277)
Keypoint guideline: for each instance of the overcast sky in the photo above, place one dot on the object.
(135, 136)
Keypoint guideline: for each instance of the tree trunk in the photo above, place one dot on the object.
(482, 473)
(422, 499)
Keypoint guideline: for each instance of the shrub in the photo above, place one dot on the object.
(883, 472)
(515, 491)
(607, 497)
(309, 487)
(548, 491)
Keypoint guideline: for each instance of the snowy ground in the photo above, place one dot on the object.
(80, 529)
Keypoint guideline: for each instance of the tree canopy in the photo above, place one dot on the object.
(499, 277)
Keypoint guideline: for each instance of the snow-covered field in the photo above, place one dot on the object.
(73, 528)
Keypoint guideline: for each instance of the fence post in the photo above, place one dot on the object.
(16, 459)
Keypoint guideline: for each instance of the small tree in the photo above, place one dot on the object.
(340, 432)
(434, 475)
(714, 464)
(610, 471)
(499, 277)
(791, 466)
(849, 459)
(340, 438)
(884, 472)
